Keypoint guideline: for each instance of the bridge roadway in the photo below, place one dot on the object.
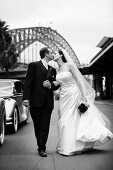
(19, 150)
(19, 73)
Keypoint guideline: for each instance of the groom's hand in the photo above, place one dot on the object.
(26, 103)
(47, 84)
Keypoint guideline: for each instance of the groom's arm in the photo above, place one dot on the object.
(28, 82)
(54, 86)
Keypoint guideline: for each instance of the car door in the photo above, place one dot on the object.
(2, 121)
(17, 95)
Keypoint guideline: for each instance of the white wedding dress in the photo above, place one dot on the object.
(78, 132)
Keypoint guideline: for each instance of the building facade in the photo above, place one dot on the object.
(101, 67)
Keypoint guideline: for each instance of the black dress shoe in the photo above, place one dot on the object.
(43, 153)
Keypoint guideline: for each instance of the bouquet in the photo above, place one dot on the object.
(83, 106)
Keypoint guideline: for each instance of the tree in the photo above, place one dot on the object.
(8, 54)
(5, 37)
(9, 59)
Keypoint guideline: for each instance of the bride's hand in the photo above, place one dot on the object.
(83, 99)
(56, 83)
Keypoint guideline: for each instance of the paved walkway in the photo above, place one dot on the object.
(107, 102)
(26, 157)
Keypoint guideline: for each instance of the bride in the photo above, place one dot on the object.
(77, 131)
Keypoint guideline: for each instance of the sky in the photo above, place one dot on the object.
(83, 23)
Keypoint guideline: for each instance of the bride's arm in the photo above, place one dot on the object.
(74, 73)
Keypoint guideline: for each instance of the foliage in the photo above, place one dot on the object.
(8, 54)
(5, 37)
(9, 59)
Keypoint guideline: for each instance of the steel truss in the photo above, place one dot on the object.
(24, 37)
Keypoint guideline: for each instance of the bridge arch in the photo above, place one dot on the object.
(24, 37)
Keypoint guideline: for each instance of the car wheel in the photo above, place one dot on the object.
(2, 135)
(15, 121)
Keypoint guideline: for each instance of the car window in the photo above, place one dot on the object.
(5, 87)
(5, 84)
(18, 87)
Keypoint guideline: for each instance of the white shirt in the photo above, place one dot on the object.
(45, 64)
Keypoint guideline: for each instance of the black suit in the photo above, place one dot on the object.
(41, 99)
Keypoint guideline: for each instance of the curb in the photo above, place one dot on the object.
(110, 103)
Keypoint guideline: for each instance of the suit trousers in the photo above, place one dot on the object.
(41, 119)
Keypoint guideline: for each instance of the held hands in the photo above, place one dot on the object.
(56, 83)
(47, 84)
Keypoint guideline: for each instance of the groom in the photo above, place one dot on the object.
(38, 94)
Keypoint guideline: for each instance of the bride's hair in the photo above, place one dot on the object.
(63, 57)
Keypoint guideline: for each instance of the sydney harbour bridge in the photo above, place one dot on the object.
(26, 39)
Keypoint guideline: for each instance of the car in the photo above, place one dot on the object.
(2, 120)
(11, 90)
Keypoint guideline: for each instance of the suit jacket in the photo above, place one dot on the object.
(33, 86)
